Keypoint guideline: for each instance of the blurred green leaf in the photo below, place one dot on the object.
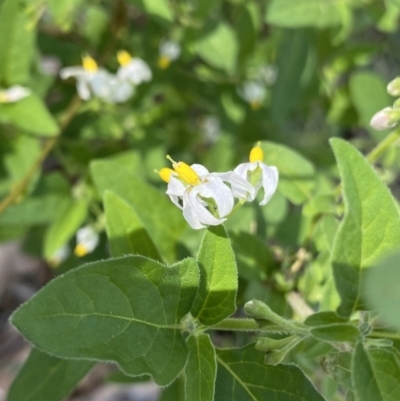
(337, 332)
(45, 377)
(323, 318)
(125, 230)
(296, 173)
(243, 376)
(375, 374)
(31, 115)
(219, 47)
(103, 309)
(338, 364)
(381, 288)
(370, 228)
(216, 298)
(63, 12)
(161, 9)
(201, 368)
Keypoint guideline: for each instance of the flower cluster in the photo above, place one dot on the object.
(208, 198)
(388, 117)
(95, 81)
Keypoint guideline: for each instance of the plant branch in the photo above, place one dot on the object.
(385, 334)
(244, 324)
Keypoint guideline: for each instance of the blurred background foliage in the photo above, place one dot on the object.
(332, 61)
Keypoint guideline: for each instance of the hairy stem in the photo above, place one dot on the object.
(244, 324)
(385, 334)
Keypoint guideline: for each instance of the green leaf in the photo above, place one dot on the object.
(368, 93)
(127, 310)
(375, 374)
(338, 364)
(323, 318)
(159, 9)
(63, 12)
(301, 13)
(340, 332)
(381, 288)
(64, 227)
(17, 38)
(243, 376)
(219, 48)
(370, 227)
(296, 173)
(291, 62)
(125, 230)
(47, 378)
(201, 369)
(31, 115)
(216, 298)
(174, 392)
(161, 218)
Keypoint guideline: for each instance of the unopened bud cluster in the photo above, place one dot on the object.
(388, 117)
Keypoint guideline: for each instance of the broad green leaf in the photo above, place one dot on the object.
(369, 229)
(63, 12)
(340, 332)
(125, 230)
(201, 368)
(323, 318)
(47, 378)
(301, 13)
(17, 37)
(243, 376)
(320, 204)
(338, 364)
(219, 48)
(174, 392)
(31, 115)
(296, 173)
(159, 8)
(368, 93)
(381, 288)
(375, 374)
(64, 227)
(161, 218)
(127, 310)
(291, 63)
(216, 298)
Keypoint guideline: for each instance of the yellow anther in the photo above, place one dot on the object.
(89, 64)
(165, 174)
(80, 250)
(124, 58)
(163, 62)
(256, 154)
(185, 172)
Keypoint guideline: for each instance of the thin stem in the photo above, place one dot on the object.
(385, 334)
(385, 144)
(244, 324)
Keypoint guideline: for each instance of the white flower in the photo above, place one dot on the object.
(258, 175)
(268, 73)
(393, 87)
(113, 89)
(86, 241)
(203, 197)
(13, 94)
(60, 255)
(211, 128)
(168, 51)
(254, 93)
(134, 70)
(384, 119)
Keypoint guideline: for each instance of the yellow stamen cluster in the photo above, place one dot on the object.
(80, 250)
(183, 170)
(124, 58)
(164, 62)
(165, 174)
(256, 154)
(89, 64)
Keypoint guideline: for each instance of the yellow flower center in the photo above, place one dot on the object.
(185, 172)
(89, 64)
(80, 250)
(124, 58)
(256, 154)
(165, 174)
(164, 62)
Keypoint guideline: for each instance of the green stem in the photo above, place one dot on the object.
(385, 144)
(385, 334)
(244, 324)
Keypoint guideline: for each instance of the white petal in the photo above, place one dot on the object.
(69, 72)
(189, 217)
(382, 119)
(137, 72)
(242, 170)
(215, 188)
(87, 237)
(122, 91)
(175, 187)
(198, 210)
(82, 86)
(200, 170)
(170, 49)
(16, 93)
(241, 188)
(269, 181)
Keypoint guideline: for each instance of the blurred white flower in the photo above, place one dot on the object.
(210, 127)
(13, 94)
(393, 87)
(258, 175)
(50, 65)
(268, 73)
(384, 119)
(86, 241)
(253, 92)
(60, 256)
(203, 197)
(134, 70)
(115, 89)
(168, 51)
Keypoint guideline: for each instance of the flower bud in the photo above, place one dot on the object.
(384, 119)
(393, 87)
